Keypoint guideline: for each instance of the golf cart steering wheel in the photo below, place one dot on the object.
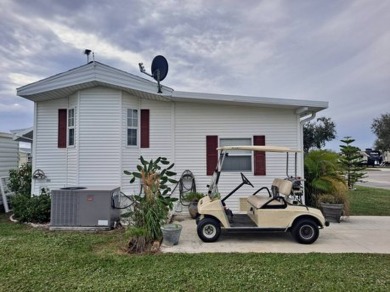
(245, 180)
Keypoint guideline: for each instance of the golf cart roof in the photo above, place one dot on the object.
(259, 148)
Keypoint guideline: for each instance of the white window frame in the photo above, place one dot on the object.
(132, 124)
(71, 122)
(245, 141)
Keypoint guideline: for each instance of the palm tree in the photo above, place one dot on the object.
(323, 175)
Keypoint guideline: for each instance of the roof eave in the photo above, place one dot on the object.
(89, 76)
(302, 107)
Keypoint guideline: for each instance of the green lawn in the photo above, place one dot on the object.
(39, 260)
(370, 201)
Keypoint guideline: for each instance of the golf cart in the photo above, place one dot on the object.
(278, 208)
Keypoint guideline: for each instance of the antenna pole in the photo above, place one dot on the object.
(158, 81)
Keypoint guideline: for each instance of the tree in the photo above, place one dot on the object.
(317, 133)
(323, 175)
(381, 128)
(351, 161)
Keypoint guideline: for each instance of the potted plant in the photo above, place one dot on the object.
(333, 206)
(150, 208)
(193, 199)
(171, 234)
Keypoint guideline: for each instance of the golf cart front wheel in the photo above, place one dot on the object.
(305, 231)
(209, 229)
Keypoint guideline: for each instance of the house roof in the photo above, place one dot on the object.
(97, 74)
(23, 135)
(87, 76)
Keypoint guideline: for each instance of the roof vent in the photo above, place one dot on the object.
(88, 52)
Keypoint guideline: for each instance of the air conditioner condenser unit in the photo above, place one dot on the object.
(84, 208)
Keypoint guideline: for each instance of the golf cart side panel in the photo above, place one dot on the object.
(213, 208)
(281, 217)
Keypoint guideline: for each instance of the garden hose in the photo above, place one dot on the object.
(186, 184)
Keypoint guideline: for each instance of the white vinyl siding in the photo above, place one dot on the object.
(47, 156)
(99, 138)
(72, 152)
(279, 126)
(161, 136)
(8, 154)
(101, 153)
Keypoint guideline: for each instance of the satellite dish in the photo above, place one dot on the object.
(159, 68)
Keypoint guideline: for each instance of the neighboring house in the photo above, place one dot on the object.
(8, 154)
(8, 160)
(25, 138)
(93, 122)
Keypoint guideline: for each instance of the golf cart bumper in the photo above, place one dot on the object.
(327, 223)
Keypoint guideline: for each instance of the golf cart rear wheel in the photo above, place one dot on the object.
(305, 231)
(209, 229)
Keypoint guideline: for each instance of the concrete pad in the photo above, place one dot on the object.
(355, 234)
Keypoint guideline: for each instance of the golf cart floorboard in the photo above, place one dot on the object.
(242, 221)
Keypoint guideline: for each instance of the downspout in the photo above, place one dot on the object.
(301, 123)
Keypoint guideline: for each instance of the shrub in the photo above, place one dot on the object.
(34, 209)
(20, 180)
(193, 196)
(323, 175)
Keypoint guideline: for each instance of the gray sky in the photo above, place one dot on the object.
(335, 51)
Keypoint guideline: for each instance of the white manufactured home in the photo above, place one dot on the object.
(93, 122)
(8, 153)
(8, 160)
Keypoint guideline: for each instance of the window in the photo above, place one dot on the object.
(237, 160)
(132, 127)
(71, 127)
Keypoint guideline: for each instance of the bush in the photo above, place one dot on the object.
(20, 180)
(323, 175)
(34, 209)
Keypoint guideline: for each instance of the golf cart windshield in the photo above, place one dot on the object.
(213, 187)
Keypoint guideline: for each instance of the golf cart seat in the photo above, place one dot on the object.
(279, 187)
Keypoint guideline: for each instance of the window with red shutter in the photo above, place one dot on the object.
(62, 121)
(259, 157)
(211, 153)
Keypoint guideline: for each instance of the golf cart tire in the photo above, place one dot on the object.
(305, 231)
(209, 229)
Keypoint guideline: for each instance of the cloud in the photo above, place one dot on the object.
(335, 51)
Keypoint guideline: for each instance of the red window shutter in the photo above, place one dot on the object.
(259, 157)
(145, 125)
(211, 153)
(62, 115)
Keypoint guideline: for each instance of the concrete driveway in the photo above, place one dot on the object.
(377, 178)
(355, 234)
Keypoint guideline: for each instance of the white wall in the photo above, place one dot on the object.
(177, 131)
(161, 136)
(195, 121)
(47, 156)
(99, 139)
(8, 154)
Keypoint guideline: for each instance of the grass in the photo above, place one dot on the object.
(34, 259)
(369, 201)
(39, 260)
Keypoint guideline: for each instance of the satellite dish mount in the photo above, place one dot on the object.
(159, 70)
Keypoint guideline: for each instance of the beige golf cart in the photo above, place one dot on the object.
(277, 208)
